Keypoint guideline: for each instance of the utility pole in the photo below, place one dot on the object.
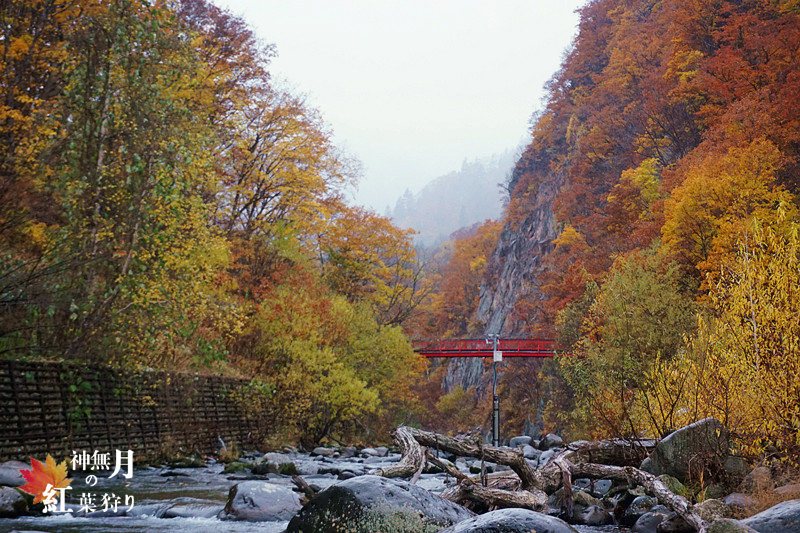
(497, 357)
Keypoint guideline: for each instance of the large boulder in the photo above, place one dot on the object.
(687, 452)
(551, 440)
(518, 442)
(367, 504)
(782, 518)
(12, 503)
(728, 525)
(712, 509)
(10, 475)
(511, 521)
(259, 501)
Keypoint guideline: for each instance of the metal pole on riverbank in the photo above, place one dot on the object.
(497, 356)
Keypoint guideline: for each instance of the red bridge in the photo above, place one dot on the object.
(482, 348)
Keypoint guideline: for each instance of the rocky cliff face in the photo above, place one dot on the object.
(517, 262)
(515, 266)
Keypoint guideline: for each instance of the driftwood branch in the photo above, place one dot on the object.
(529, 488)
(413, 457)
(535, 500)
(566, 477)
(470, 448)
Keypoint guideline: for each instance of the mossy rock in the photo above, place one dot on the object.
(235, 467)
(186, 462)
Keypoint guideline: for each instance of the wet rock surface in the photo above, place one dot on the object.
(782, 518)
(260, 501)
(372, 503)
(511, 521)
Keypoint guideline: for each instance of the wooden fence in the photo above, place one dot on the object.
(56, 408)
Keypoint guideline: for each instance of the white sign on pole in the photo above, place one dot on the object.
(498, 356)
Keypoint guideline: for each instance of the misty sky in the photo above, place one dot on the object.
(412, 88)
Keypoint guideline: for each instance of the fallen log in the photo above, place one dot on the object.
(531, 486)
(535, 500)
(475, 448)
(413, 459)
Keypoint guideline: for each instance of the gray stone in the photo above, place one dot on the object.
(782, 518)
(585, 499)
(649, 522)
(728, 525)
(349, 451)
(740, 503)
(520, 441)
(258, 501)
(529, 452)
(712, 509)
(307, 468)
(276, 458)
(735, 469)
(550, 441)
(674, 524)
(324, 452)
(369, 452)
(601, 487)
(792, 491)
(382, 451)
(196, 509)
(12, 503)
(715, 491)
(546, 457)
(373, 504)
(639, 506)
(687, 452)
(593, 515)
(511, 521)
(10, 475)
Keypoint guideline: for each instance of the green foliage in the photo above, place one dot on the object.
(638, 318)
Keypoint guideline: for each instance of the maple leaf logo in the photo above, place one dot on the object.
(42, 475)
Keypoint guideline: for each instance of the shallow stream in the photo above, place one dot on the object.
(203, 491)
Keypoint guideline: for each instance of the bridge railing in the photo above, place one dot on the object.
(480, 348)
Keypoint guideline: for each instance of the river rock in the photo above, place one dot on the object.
(740, 504)
(593, 515)
(782, 518)
(712, 509)
(10, 475)
(349, 451)
(673, 523)
(736, 469)
(258, 501)
(324, 452)
(276, 458)
(520, 441)
(684, 453)
(546, 457)
(511, 521)
(792, 491)
(383, 451)
(638, 507)
(193, 509)
(649, 522)
(375, 504)
(529, 452)
(369, 452)
(12, 503)
(728, 525)
(549, 441)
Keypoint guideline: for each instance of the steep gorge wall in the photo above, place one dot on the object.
(516, 266)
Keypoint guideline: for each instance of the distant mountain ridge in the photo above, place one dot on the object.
(455, 200)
